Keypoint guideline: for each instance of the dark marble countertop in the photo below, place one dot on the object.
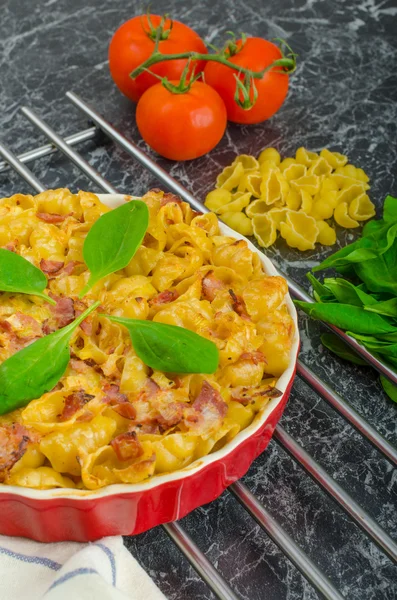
(344, 96)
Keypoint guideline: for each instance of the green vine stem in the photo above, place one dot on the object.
(287, 63)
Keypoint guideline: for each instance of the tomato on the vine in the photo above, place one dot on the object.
(255, 54)
(181, 126)
(134, 42)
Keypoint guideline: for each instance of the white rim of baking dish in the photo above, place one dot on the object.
(113, 201)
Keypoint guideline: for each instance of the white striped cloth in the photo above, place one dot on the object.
(102, 570)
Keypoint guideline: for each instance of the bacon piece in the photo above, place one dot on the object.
(207, 412)
(126, 410)
(26, 326)
(86, 326)
(245, 395)
(255, 357)
(6, 327)
(73, 403)
(69, 268)
(11, 246)
(118, 401)
(127, 446)
(51, 217)
(239, 306)
(50, 267)
(14, 440)
(112, 391)
(168, 198)
(164, 298)
(196, 213)
(63, 311)
(211, 285)
(14, 331)
(210, 397)
(170, 414)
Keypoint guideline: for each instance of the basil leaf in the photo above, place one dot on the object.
(19, 275)
(390, 209)
(387, 308)
(338, 347)
(346, 316)
(113, 240)
(36, 369)
(170, 348)
(389, 388)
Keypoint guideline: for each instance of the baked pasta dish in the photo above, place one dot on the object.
(111, 418)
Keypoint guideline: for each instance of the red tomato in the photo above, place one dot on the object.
(181, 126)
(133, 43)
(255, 54)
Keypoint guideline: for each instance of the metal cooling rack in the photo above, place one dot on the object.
(256, 509)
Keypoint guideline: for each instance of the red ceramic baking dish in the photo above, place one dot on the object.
(127, 509)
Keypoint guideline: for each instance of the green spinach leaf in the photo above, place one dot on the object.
(338, 347)
(113, 240)
(390, 209)
(170, 348)
(36, 369)
(380, 274)
(387, 308)
(321, 292)
(19, 275)
(348, 317)
(389, 388)
(347, 293)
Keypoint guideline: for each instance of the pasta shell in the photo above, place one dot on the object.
(236, 205)
(342, 217)
(334, 159)
(230, 177)
(308, 183)
(294, 199)
(271, 155)
(300, 230)
(319, 167)
(294, 171)
(217, 198)
(361, 208)
(238, 221)
(305, 157)
(248, 162)
(349, 193)
(265, 230)
(326, 234)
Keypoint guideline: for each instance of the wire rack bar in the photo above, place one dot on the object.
(280, 537)
(358, 514)
(347, 411)
(20, 168)
(74, 156)
(177, 188)
(71, 140)
(200, 562)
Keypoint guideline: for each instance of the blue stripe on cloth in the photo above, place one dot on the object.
(112, 559)
(38, 560)
(71, 575)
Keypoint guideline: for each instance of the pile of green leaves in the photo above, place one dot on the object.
(364, 301)
(109, 246)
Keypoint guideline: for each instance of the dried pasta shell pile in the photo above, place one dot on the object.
(296, 197)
